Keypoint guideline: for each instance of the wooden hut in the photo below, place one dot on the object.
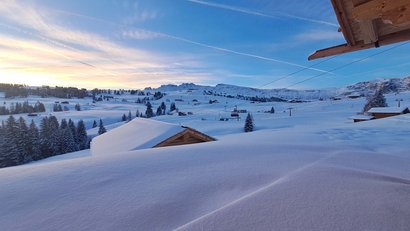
(143, 133)
(369, 23)
(383, 112)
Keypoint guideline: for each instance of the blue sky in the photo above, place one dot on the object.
(135, 44)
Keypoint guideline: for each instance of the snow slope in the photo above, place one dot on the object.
(289, 179)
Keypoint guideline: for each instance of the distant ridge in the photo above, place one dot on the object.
(362, 89)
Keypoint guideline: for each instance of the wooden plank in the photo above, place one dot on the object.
(344, 23)
(345, 48)
(393, 11)
(369, 31)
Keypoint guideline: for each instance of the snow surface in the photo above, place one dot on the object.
(139, 133)
(316, 170)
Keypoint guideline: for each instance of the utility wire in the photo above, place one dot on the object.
(296, 72)
(348, 64)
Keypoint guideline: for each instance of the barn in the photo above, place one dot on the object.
(383, 112)
(143, 133)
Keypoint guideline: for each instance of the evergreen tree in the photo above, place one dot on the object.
(63, 124)
(129, 118)
(54, 135)
(12, 151)
(149, 113)
(67, 142)
(3, 154)
(272, 110)
(101, 129)
(173, 107)
(22, 142)
(95, 124)
(82, 136)
(78, 107)
(45, 138)
(159, 111)
(376, 100)
(124, 117)
(164, 108)
(34, 141)
(137, 114)
(248, 123)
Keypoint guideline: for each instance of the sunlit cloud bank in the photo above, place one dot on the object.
(39, 49)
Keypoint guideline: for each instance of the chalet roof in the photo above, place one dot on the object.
(361, 117)
(388, 110)
(139, 133)
(369, 23)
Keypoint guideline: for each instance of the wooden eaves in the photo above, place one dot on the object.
(369, 23)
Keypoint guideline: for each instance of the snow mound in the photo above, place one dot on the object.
(137, 134)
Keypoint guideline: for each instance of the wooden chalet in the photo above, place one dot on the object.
(369, 23)
(143, 133)
(383, 112)
(187, 136)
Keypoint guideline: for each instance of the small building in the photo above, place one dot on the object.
(143, 133)
(361, 118)
(383, 112)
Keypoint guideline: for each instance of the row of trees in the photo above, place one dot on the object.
(25, 107)
(20, 143)
(15, 90)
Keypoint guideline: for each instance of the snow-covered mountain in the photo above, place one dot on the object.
(362, 88)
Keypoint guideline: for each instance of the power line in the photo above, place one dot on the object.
(348, 64)
(296, 72)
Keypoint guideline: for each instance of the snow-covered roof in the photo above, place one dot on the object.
(137, 134)
(387, 109)
(361, 117)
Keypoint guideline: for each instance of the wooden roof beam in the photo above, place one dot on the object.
(341, 15)
(345, 48)
(392, 11)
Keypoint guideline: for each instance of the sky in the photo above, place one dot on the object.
(132, 44)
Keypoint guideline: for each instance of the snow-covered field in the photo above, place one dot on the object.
(315, 170)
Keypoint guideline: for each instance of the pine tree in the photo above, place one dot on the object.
(137, 114)
(63, 124)
(159, 111)
(101, 129)
(45, 138)
(12, 151)
(78, 107)
(149, 113)
(129, 118)
(124, 117)
(272, 110)
(3, 153)
(248, 123)
(67, 142)
(95, 124)
(82, 136)
(164, 108)
(22, 142)
(54, 133)
(376, 100)
(34, 141)
(173, 107)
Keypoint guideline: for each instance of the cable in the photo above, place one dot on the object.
(296, 72)
(348, 64)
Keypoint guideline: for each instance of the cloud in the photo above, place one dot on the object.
(274, 15)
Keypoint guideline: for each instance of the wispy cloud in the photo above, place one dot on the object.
(274, 15)
(138, 35)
